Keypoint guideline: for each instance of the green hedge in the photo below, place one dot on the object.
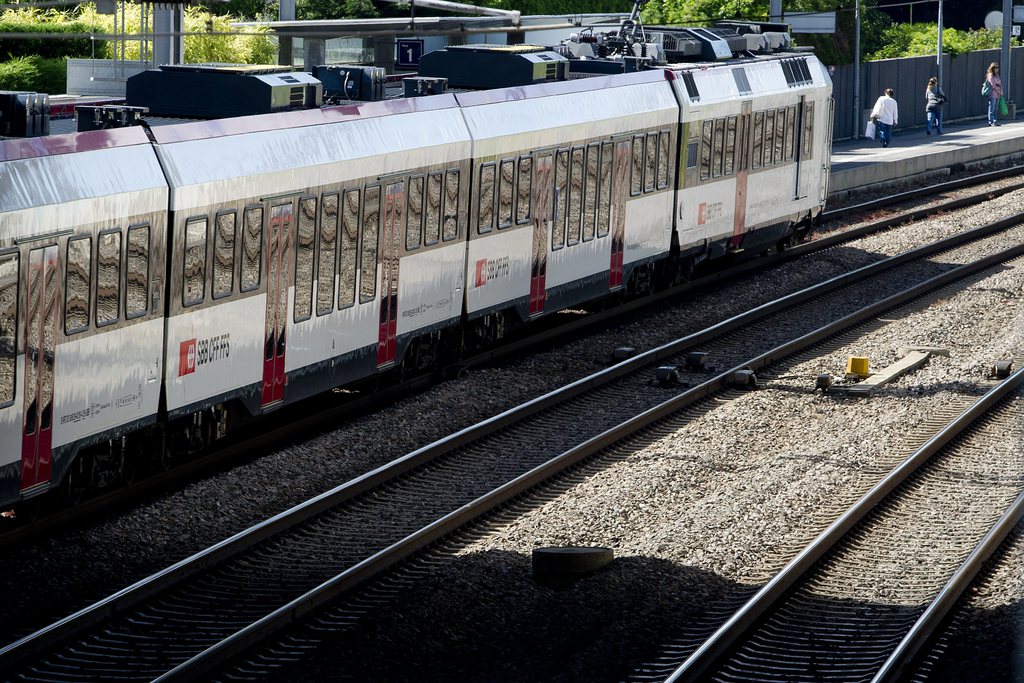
(47, 48)
(34, 74)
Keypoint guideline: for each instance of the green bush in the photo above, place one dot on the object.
(35, 74)
(37, 21)
(919, 40)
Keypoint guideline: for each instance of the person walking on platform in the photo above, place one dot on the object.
(994, 87)
(886, 114)
(934, 99)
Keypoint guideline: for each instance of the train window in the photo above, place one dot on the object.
(650, 161)
(194, 275)
(664, 152)
(432, 230)
(705, 150)
(575, 195)
(561, 195)
(136, 302)
(523, 188)
(730, 146)
(757, 135)
(790, 132)
(637, 180)
(328, 252)
(8, 326)
(485, 213)
(692, 148)
(769, 136)
(414, 217)
(368, 255)
(223, 254)
(718, 148)
(505, 187)
(76, 290)
(108, 278)
(590, 191)
(604, 209)
(349, 243)
(450, 229)
(252, 249)
(780, 136)
(808, 137)
(305, 249)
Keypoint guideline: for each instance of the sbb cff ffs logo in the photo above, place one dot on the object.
(187, 358)
(195, 352)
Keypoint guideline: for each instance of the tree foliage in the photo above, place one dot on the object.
(251, 46)
(916, 40)
(35, 74)
(33, 20)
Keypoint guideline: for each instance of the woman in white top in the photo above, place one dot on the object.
(886, 114)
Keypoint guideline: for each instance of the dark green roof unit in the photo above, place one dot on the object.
(213, 91)
(493, 66)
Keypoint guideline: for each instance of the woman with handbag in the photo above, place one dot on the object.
(994, 87)
(886, 114)
(934, 99)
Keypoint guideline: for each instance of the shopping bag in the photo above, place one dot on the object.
(1003, 109)
(869, 131)
(986, 88)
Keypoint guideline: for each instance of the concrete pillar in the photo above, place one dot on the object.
(285, 12)
(384, 53)
(168, 25)
(314, 53)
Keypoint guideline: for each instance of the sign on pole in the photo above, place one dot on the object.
(409, 52)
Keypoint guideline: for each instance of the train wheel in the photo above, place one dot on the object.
(76, 482)
(29, 511)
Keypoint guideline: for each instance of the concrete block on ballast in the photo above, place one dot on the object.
(569, 561)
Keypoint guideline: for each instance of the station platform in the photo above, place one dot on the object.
(863, 164)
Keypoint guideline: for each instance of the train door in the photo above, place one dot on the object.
(620, 189)
(390, 256)
(542, 196)
(278, 268)
(741, 145)
(40, 349)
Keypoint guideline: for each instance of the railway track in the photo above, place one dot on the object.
(312, 416)
(194, 617)
(861, 601)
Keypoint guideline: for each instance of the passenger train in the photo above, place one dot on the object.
(160, 286)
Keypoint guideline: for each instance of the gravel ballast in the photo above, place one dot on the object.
(714, 508)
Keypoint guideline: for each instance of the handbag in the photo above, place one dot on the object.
(986, 88)
(1003, 109)
(869, 130)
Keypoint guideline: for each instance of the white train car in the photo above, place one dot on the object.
(82, 254)
(758, 140)
(572, 192)
(310, 249)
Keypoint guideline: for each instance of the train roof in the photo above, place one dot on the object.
(26, 148)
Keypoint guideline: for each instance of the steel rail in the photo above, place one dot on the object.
(127, 598)
(988, 176)
(920, 633)
(727, 636)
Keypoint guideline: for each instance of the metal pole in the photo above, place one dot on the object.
(1004, 54)
(857, 123)
(938, 53)
(775, 13)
